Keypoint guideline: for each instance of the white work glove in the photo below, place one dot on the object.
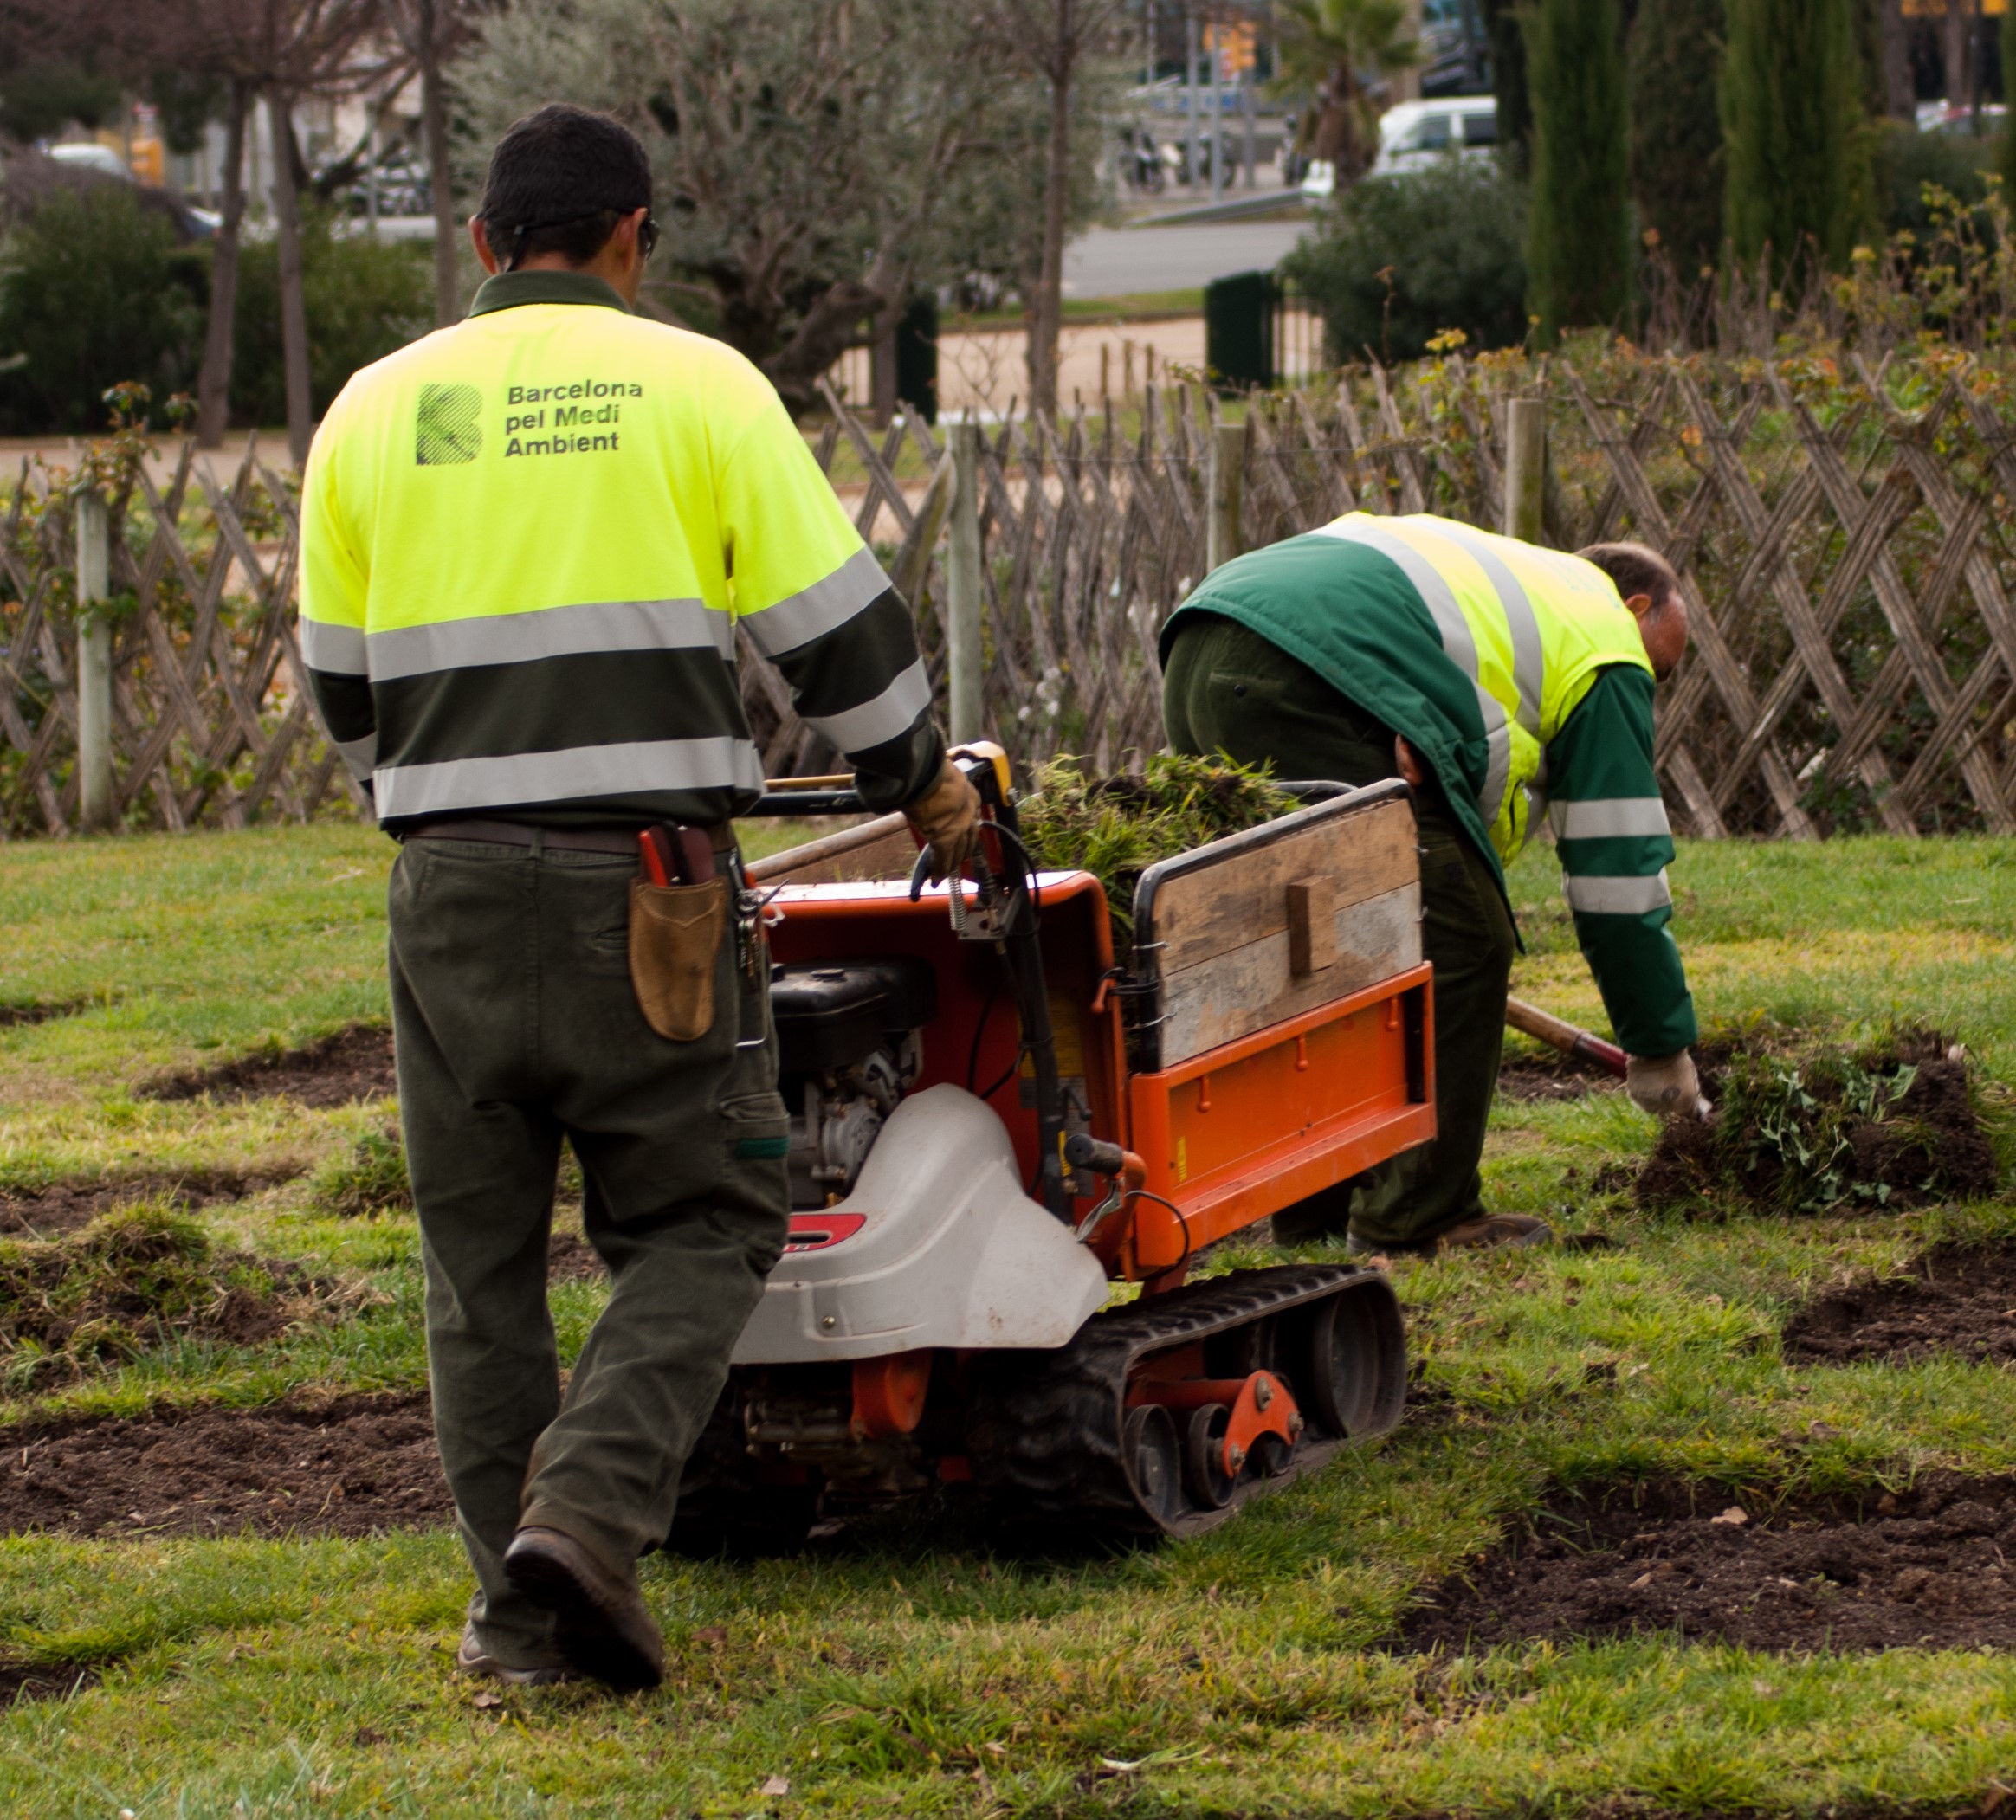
(1666, 1085)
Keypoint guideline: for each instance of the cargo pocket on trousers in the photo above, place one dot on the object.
(676, 934)
(757, 1129)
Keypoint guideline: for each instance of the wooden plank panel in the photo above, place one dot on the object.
(1233, 993)
(1364, 853)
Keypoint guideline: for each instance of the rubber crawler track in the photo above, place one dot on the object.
(1045, 1430)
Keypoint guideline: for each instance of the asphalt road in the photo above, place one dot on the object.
(1118, 262)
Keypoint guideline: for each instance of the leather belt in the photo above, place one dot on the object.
(720, 835)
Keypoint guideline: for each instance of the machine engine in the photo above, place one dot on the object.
(850, 1048)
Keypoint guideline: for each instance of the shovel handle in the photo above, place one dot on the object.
(1568, 1038)
(827, 847)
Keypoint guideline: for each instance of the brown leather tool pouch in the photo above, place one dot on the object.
(675, 938)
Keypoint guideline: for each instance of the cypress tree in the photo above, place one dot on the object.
(1578, 236)
(2008, 157)
(1795, 148)
(1673, 66)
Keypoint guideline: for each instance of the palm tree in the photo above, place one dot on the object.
(1340, 53)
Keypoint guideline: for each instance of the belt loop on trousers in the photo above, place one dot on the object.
(538, 843)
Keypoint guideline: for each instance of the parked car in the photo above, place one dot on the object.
(102, 161)
(1415, 134)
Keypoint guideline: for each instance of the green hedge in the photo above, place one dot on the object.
(94, 289)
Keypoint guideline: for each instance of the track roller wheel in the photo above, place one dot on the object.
(1154, 1461)
(1270, 1455)
(1355, 1366)
(1205, 1476)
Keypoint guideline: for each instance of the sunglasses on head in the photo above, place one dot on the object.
(646, 233)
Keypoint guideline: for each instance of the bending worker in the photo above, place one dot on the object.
(528, 541)
(1503, 682)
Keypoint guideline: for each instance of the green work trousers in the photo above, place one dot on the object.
(517, 1026)
(1229, 690)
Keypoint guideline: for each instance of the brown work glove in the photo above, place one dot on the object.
(947, 820)
(1666, 1085)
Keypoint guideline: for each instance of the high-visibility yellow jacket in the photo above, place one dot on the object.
(526, 542)
(1521, 677)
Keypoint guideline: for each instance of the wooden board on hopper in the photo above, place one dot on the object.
(1234, 957)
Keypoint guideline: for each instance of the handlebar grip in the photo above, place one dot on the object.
(1083, 1151)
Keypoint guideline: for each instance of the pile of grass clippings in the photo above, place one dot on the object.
(1801, 1127)
(1116, 828)
(129, 1281)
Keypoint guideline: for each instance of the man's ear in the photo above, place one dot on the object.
(1639, 606)
(481, 241)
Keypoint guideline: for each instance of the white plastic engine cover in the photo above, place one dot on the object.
(949, 1252)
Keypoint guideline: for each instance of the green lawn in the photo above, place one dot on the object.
(907, 1671)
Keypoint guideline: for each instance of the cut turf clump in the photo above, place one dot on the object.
(1116, 828)
(129, 1281)
(1809, 1129)
(353, 1064)
(1933, 1566)
(1957, 1301)
(358, 1466)
(370, 1178)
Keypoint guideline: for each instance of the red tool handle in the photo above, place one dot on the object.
(1568, 1038)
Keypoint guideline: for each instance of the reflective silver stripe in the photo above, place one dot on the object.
(358, 756)
(335, 650)
(817, 609)
(611, 625)
(1528, 664)
(1609, 819)
(1456, 641)
(1616, 896)
(893, 712)
(720, 763)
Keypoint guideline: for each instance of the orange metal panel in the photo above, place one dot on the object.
(1239, 1132)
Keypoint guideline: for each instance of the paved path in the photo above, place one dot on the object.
(1119, 261)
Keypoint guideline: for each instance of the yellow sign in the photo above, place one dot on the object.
(1936, 9)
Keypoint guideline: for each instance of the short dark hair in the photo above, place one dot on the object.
(1636, 569)
(559, 181)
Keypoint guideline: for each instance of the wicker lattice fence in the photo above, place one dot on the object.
(211, 723)
(1843, 536)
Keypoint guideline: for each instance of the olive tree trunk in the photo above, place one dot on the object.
(294, 310)
(213, 385)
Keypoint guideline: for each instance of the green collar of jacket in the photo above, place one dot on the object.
(508, 289)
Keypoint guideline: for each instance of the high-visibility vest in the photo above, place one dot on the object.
(1529, 628)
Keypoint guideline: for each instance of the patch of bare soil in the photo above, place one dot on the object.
(62, 1206)
(12, 1016)
(1957, 1300)
(572, 1258)
(353, 1064)
(349, 1467)
(1925, 1567)
(1553, 1075)
(21, 1680)
(1803, 1128)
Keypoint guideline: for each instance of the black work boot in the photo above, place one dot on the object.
(601, 1622)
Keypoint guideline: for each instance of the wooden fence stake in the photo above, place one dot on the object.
(1223, 483)
(962, 587)
(94, 665)
(1525, 468)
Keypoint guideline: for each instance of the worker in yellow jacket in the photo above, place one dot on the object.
(527, 543)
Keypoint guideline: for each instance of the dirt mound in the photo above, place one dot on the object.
(353, 1064)
(348, 1467)
(1554, 1077)
(1804, 1128)
(133, 1277)
(1923, 1567)
(64, 1205)
(1958, 1299)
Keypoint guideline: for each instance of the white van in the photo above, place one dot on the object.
(1414, 134)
